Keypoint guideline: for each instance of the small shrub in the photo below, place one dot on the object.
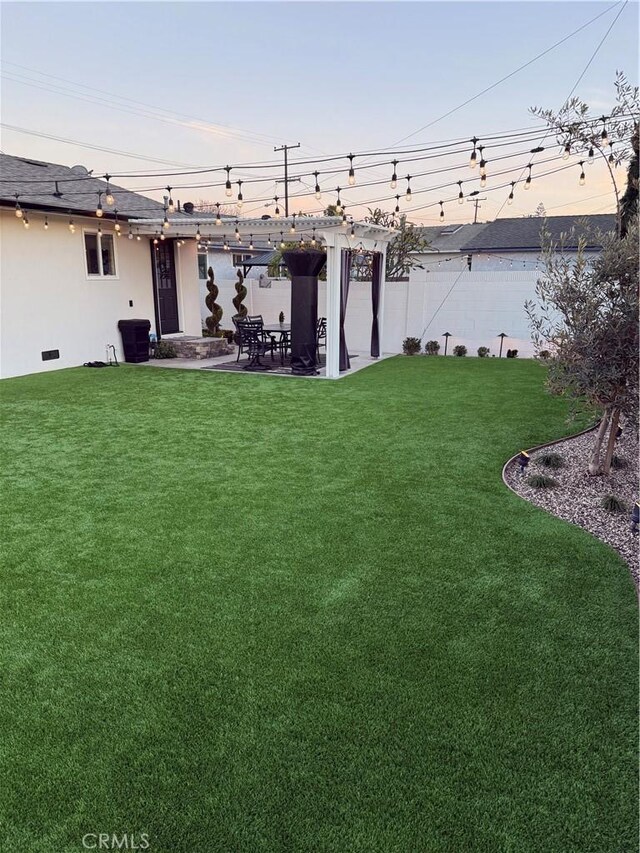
(619, 462)
(613, 504)
(551, 460)
(541, 481)
(483, 352)
(411, 346)
(166, 349)
(543, 355)
(460, 350)
(432, 348)
(512, 353)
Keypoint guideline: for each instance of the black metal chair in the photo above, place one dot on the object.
(321, 334)
(252, 342)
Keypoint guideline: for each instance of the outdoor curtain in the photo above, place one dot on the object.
(376, 286)
(345, 274)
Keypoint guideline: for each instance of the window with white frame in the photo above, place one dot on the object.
(100, 254)
(238, 259)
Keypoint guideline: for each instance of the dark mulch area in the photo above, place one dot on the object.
(578, 497)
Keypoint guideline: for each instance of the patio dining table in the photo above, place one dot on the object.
(284, 329)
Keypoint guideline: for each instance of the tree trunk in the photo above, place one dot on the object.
(594, 462)
(611, 444)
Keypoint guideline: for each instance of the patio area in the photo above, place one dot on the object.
(288, 616)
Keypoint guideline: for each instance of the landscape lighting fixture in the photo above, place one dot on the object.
(394, 177)
(582, 175)
(446, 337)
(352, 174)
(460, 194)
(19, 213)
(523, 460)
(227, 186)
(317, 190)
(407, 195)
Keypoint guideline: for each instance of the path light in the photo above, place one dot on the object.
(635, 517)
(502, 336)
(523, 460)
(446, 337)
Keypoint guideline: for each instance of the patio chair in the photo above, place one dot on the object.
(321, 334)
(252, 342)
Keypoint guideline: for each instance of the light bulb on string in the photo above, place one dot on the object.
(170, 205)
(317, 190)
(344, 218)
(394, 176)
(72, 227)
(109, 199)
(301, 244)
(313, 237)
(130, 234)
(474, 156)
(352, 233)
(292, 229)
(25, 220)
(99, 210)
(162, 237)
(138, 238)
(352, 174)
(483, 162)
(567, 151)
(611, 158)
(591, 156)
(282, 244)
(225, 244)
(19, 213)
(100, 231)
(117, 224)
(251, 241)
(527, 183)
(338, 202)
(240, 198)
(483, 181)
(46, 223)
(407, 195)
(510, 199)
(604, 136)
(198, 234)
(237, 232)
(218, 220)
(276, 212)
(460, 194)
(269, 243)
(397, 210)
(441, 210)
(582, 180)
(227, 186)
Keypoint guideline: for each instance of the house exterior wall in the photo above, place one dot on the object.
(47, 301)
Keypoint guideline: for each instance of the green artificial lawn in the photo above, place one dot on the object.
(251, 613)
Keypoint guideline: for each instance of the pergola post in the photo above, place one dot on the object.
(383, 288)
(332, 369)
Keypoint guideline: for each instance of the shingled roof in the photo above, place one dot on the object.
(450, 238)
(524, 233)
(49, 186)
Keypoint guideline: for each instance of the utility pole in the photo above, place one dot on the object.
(475, 202)
(286, 149)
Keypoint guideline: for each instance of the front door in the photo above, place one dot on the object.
(164, 282)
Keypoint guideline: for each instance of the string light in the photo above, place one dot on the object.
(583, 178)
(292, 229)
(567, 151)
(72, 227)
(483, 162)
(338, 202)
(313, 237)
(611, 158)
(281, 240)
(317, 187)
(25, 220)
(604, 136)
(344, 218)
(269, 243)
(109, 199)
(162, 237)
(277, 210)
(19, 213)
(138, 238)
(225, 245)
(460, 194)
(227, 186)
(251, 241)
(483, 181)
(591, 156)
(473, 158)
(130, 234)
(352, 174)
(100, 231)
(397, 210)
(394, 177)
(301, 244)
(170, 205)
(510, 199)
(155, 240)
(441, 210)
(352, 233)
(198, 234)
(117, 224)
(527, 183)
(240, 198)
(407, 195)
(218, 220)
(99, 210)
(46, 223)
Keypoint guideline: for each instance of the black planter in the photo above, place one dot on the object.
(304, 267)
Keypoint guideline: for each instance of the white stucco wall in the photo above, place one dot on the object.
(47, 301)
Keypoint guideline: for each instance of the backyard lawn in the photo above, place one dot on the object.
(247, 613)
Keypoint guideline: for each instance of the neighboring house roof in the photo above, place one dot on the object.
(51, 186)
(517, 234)
(262, 260)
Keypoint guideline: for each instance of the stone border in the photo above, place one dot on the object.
(541, 447)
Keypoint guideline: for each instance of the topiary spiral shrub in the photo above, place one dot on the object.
(432, 348)
(541, 481)
(411, 346)
(241, 294)
(460, 350)
(483, 352)
(213, 321)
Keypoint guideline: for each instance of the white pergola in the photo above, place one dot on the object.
(330, 231)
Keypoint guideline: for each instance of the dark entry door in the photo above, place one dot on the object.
(164, 279)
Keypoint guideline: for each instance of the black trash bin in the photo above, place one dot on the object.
(135, 340)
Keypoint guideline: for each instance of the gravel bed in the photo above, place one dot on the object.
(577, 497)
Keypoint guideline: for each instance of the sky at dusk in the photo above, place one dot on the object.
(181, 84)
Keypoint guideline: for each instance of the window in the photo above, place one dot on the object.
(100, 254)
(237, 259)
(202, 266)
